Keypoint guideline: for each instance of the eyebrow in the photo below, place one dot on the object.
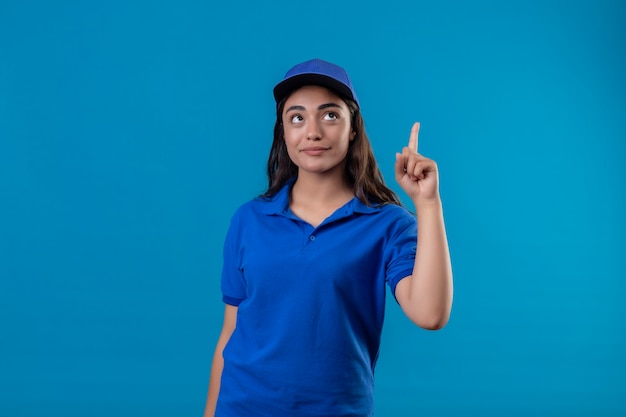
(320, 107)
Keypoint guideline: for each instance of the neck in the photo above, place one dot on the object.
(321, 189)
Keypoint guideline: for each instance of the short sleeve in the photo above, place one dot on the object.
(233, 282)
(400, 250)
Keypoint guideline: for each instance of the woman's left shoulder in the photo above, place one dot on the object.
(394, 210)
(395, 215)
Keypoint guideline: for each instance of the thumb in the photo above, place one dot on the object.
(399, 166)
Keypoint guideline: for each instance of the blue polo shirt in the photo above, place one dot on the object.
(310, 303)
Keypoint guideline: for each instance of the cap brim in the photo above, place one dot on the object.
(284, 88)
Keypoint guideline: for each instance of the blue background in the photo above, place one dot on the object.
(131, 131)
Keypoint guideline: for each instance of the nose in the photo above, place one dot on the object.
(313, 131)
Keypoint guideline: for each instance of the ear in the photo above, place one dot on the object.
(352, 135)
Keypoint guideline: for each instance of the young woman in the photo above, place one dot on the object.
(307, 263)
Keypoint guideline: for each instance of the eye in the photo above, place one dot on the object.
(331, 115)
(296, 118)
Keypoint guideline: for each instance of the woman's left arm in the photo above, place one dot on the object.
(426, 295)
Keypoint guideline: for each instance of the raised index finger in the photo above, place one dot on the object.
(413, 138)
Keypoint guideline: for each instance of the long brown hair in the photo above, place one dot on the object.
(361, 169)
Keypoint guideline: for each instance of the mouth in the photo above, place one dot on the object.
(314, 150)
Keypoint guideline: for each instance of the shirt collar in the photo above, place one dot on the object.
(279, 203)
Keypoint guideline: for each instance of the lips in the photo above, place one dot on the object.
(314, 150)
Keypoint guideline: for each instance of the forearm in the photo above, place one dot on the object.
(430, 286)
(230, 320)
(214, 381)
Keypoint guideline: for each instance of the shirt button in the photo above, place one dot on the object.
(312, 237)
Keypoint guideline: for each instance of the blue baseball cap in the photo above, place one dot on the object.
(315, 72)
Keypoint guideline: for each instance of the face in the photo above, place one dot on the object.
(317, 131)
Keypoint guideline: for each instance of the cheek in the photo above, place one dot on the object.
(289, 139)
(349, 135)
(290, 145)
(289, 134)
